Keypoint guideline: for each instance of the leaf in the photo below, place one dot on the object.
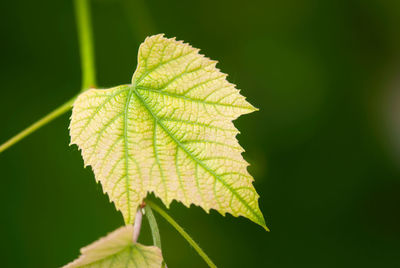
(118, 250)
(169, 132)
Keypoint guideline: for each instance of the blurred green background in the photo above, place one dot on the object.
(324, 147)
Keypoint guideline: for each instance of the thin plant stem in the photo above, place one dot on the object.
(137, 225)
(155, 233)
(182, 232)
(83, 21)
(38, 124)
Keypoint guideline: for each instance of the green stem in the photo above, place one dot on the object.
(88, 72)
(155, 233)
(35, 126)
(83, 20)
(182, 232)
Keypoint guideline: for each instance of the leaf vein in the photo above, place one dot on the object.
(195, 159)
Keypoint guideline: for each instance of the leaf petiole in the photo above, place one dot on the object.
(155, 233)
(180, 230)
(38, 124)
(137, 225)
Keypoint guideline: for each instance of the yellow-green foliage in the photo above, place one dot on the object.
(169, 132)
(117, 250)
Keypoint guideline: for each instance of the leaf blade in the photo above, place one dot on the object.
(118, 250)
(170, 132)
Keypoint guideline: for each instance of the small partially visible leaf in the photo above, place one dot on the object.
(169, 132)
(117, 250)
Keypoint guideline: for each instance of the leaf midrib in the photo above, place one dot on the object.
(125, 127)
(194, 158)
(178, 96)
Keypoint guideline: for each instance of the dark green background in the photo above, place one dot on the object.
(324, 147)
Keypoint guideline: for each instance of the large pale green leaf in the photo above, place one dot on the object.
(117, 250)
(169, 132)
